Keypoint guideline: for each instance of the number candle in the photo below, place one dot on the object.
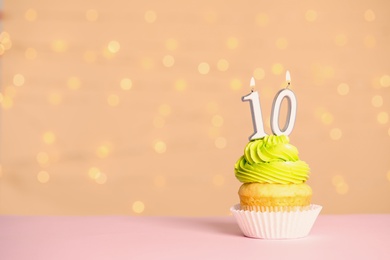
(257, 118)
(291, 109)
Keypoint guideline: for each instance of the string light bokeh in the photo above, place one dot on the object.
(135, 108)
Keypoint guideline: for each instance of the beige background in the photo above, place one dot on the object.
(134, 107)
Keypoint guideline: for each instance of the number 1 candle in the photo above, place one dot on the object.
(257, 118)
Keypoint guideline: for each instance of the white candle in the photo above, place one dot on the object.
(291, 109)
(257, 118)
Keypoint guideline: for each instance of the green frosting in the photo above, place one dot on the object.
(271, 159)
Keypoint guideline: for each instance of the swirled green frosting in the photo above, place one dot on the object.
(271, 159)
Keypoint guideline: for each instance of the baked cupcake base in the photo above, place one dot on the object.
(276, 225)
(274, 197)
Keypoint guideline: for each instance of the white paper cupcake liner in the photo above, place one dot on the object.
(276, 225)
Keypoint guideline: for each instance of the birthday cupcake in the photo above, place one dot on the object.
(275, 201)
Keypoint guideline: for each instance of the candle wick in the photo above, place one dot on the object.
(288, 84)
(251, 90)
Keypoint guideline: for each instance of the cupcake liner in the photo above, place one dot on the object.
(276, 225)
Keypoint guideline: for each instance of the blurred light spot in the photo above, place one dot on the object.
(160, 147)
(369, 41)
(89, 56)
(281, 43)
(203, 68)
(104, 150)
(113, 100)
(18, 80)
(259, 73)
(217, 121)
(30, 15)
(232, 43)
(235, 84)
(59, 45)
(168, 61)
(222, 65)
(43, 158)
(214, 132)
(158, 122)
(30, 54)
(218, 180)
(126, 83)
(337, 179)
(165, 110)
(94, 173)
(113, 46)
(343, 89)
(55, 98)
(340, 184)
(74, 83)
(159, 181)
(369, 15)
(91, 15)
(138, 207)
(385, 81)
(7, 102)
(5, 41)
(341, 40)
(180, 85)
(382, 117)
(2, 49)
(328, 71)
(43, 177)
(342, 188)
(147, 63)
(171, 44)
(277, 69)
(388, 175)
(220, 142)
(327, 118)
(311, 15)
(210, 16)
(101, 178)
(377, 101)
(262, 19)
(335, 134)
(150, 16)
(49, 137)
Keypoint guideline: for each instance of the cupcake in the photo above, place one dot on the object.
(275, 201)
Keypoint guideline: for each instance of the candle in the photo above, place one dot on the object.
(257, 118)
(291, 109)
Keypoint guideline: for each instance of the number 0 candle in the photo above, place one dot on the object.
(257, 118)
(291, 109)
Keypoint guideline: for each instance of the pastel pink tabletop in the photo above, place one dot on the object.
(125, 237)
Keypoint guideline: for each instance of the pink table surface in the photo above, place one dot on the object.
(126, 237)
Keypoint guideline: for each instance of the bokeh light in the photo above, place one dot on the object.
(382, 117)
(138, 207)
(369, 15)
(168, 61)
(343, 89)
(335, 134)
(160, 147)
(150, 16)
(222, 65)
(311, 15)
(126, 83)
(43, 177)
(204, 68)
(91, 15)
